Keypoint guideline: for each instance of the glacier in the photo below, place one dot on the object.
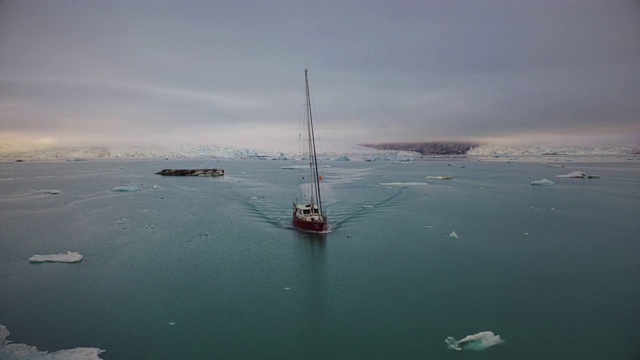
(211, 151)
(550, 150)
(221, 152)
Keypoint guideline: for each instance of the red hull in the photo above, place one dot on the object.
(310, 225)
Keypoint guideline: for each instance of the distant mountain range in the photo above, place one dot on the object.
(427, 148)
(477, 149)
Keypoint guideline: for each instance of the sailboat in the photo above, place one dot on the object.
(309, 215)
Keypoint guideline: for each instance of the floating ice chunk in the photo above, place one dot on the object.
(543, 182)
(575, 174)
(404, 184)
(69, 257)
(10, 350)
(453, 235)
(440, 177)
(452, 343)
(290, 167)
(476, 342)
(579, 175)
(126, 188)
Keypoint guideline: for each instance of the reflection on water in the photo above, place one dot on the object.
(311, 254)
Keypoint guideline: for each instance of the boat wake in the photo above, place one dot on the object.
(275, 213)
(345, 211)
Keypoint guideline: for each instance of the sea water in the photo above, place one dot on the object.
(211, 268)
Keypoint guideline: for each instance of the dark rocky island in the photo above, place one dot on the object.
(428, 148)
(191, 172)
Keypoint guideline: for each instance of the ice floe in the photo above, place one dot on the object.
(306, 166)
(404, 184)
(126, 188)
(476, 342)
(69, 257)
(578, 175)
(9, 350)
(543, 182)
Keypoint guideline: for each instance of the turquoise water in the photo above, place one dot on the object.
(210, 268)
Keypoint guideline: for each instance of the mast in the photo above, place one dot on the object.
(313, 161)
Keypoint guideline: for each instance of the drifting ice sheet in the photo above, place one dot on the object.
(9, 350)
(543, 182)
(404, 184)
(69, 257)
(126, 188)
(578, 175)
(476, 342)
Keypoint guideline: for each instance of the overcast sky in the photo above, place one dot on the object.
(133, 72)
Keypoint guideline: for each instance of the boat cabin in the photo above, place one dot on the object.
(306, 209)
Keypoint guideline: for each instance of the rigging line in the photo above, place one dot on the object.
(312, 145)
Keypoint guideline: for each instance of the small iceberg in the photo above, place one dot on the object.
(404, 184)
(290, 167)
(453, 235)
(9, 350)
(126, 188)
(476, 342)
(69, 257)
(543, 182)
(578, 175)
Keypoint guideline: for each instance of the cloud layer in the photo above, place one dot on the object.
(229, 72)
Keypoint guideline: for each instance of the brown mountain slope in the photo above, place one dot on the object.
(427, 148)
